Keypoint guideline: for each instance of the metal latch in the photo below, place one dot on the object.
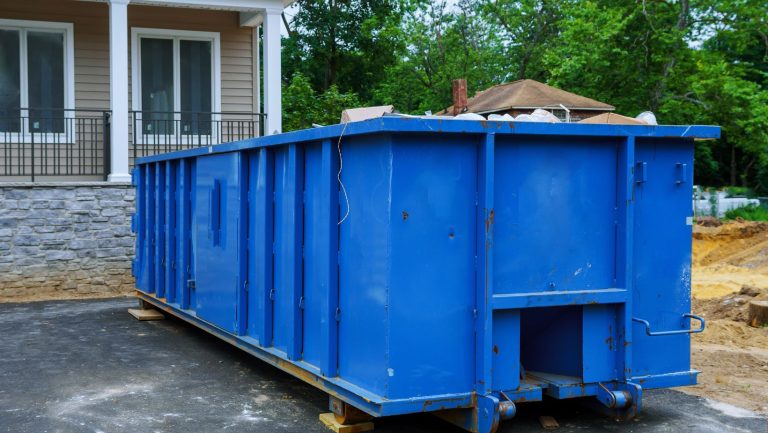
(681, 171)
(641, 172)
(272, 295)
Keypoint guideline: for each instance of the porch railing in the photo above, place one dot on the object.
(53, 142)
(155, 132)
(48, 144)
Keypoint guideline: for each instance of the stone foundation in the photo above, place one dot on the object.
(62, 240)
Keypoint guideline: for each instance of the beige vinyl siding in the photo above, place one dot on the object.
(236, 46)
(91, 28)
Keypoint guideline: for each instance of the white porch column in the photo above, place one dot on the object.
(272, 79)
(257, 72)
(118, 90)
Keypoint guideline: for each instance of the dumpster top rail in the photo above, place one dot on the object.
(405, 124)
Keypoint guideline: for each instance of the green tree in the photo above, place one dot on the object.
(304, 107)
(347, 43)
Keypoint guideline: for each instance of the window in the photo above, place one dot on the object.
(175, 85)
(36, 76)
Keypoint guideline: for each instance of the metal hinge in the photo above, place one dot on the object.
(245, 285)
(474, 313)
(301, 303)
(338, 315)
(191, 284)
(173, 265)
(272, 295)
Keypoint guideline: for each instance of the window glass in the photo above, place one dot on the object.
(157, 101)
(45, 82)
(195, 86)
(10, 81)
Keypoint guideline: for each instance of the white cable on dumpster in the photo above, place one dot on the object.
(338, 176)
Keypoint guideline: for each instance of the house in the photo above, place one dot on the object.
(524, 96)
(85, 86)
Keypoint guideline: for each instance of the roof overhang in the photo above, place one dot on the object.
(251, 11)
(545, 107)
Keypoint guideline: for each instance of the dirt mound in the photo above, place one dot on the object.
(730, 269)
(730, 307)
(727, 257)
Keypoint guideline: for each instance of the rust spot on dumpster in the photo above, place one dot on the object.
(405, 215)
(495, 349)
(489, 221)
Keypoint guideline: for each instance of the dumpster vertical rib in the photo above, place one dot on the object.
(625, 245)
(243, 213)
(484, 287)
(170, 231)
(183, 226)
(329, 242)
(262, 244)
(160, 229)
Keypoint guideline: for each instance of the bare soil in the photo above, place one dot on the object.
(730, 268)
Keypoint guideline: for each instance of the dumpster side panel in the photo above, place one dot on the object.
(148, 266)
(217, 232)
(432, 292)
(183, 228)
(662, 270)
(365, 261)
(315, 257)
(140, 271)
(260, 244)
(288, 223)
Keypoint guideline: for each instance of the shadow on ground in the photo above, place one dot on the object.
(88, 366)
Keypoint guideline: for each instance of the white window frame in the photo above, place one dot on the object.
(176, 36)
(68, 30)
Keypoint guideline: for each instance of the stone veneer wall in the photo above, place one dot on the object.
(65, 239)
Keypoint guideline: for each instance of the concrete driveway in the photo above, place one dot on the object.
(87, 366)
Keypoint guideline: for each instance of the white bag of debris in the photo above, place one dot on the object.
(501, 118)
(469, 116)
(544, 116)
(647, 117)
(538, 115)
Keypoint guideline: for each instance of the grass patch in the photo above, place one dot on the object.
(739, 191)
(748, 213)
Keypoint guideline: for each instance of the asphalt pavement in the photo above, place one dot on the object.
(88, 366)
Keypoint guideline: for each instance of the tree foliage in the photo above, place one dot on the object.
(689, 61)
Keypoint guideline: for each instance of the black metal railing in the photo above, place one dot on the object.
(43, 142)
(154, 132)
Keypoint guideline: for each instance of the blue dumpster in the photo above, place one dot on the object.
(421, 265)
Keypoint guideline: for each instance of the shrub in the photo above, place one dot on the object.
(748, 213)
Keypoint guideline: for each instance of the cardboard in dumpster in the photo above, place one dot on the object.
(365, 113)
(613, 119)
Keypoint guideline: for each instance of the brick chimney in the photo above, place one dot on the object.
(459, 96)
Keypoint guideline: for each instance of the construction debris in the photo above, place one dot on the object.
(365, 113)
